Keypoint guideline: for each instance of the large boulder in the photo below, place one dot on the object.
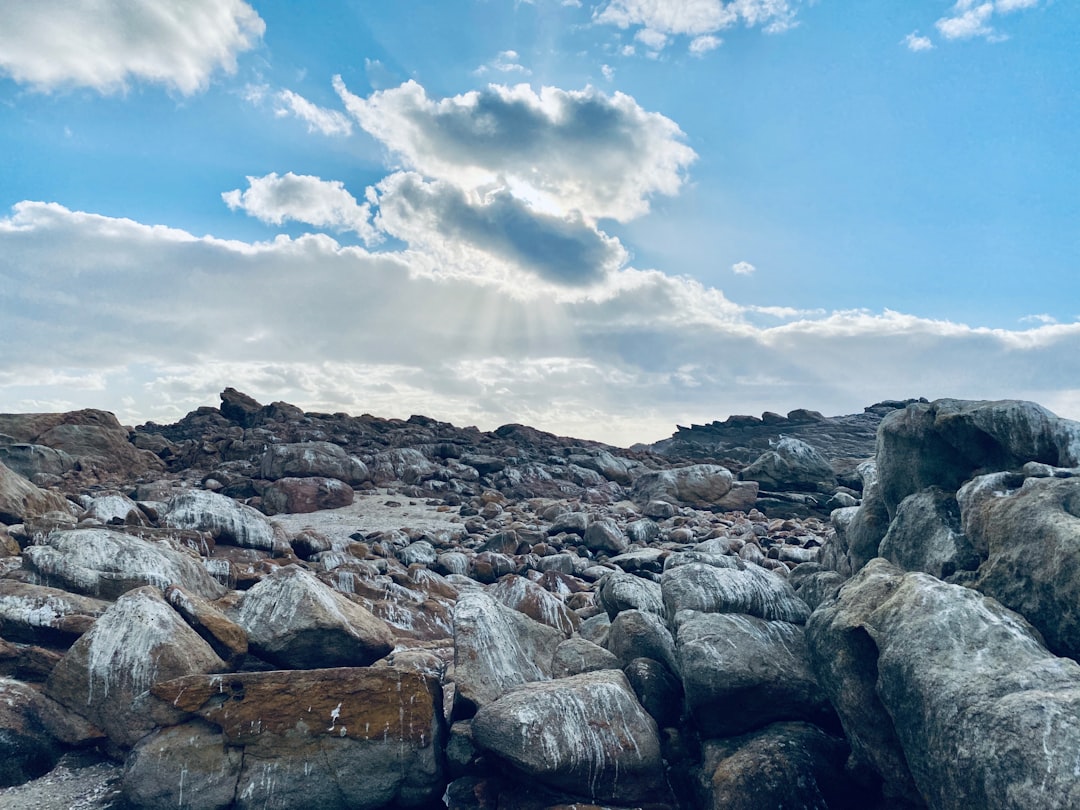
(312, 460)
(20, 500)
(137, 642)
(29, 460)
(604, 535)
(27, 749)
(701, 486)
(39, 615)
(636, 634)
(496, 649)
(225, 519)
(926, 536)
(295, 621)
(746, 588)
(1031, 539)
(586, 735)
(304, 495)
(106, 563)
(741, 673)
(791, 465)
(618, 591)
(526, 596)
(336, 739)
(946, 442)
(953, 686)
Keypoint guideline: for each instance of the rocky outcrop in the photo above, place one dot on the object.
(312, 460)
(20, 500)
(699, 485)
(791, 465)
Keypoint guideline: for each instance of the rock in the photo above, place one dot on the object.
(403, 464)
(577, 655)
(239, 407)
(859, 532)
(926, 536)
(312, 460)
(106, 563)
(741, 673)
(751, 590)
(419, 553)
(946, 442)
(20, 500)
(643, 531)
(225, 519)
(570, 523)
(1031, 538)
(791, 465)
(496, 649)
(794, 765)
(819, 587)
(618, 591)
(529, 598)
(137, 642)
(29, 460)
(296, 622)
(740, 498)
(304, 495)
(954, 685)
(658, 690)
(586, 735)
(634, 634)
(115, 507)
(619, 470)
(700, 486)
(27, 749)
(39, 615)
(659, 510)
(226, 637)
(297, 740)
(604, 535)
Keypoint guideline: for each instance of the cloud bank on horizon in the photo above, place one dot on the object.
(484, 256)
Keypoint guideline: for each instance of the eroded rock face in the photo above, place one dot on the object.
(137, 642)
(21, 500)
(106, 563)
(339, 739)
(37, 614)
(297, 622)
(586, 735)
(966, 695)
(496, 649)
(225, 519)
(312, 459)
(791, 464)
(698, 485)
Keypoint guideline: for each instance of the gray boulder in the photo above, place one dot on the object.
(635, 634)
(297, 622)
(228, 521)
(618, 591)
(106, 563)
(496, 649)
(967, 696)
(750, 589)
(577, 655)
(586, 735)
(604, 535)
(926, 536)
(29, 460)
(137, 642)
(699, 485)
(312, 460)
(791, 465)
(741, 673)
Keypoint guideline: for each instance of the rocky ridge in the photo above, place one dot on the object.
(260, 607)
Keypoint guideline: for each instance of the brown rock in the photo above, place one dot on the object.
(304, 495)
(225, 636)
(39, 615)
(20, 500)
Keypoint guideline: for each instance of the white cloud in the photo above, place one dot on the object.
(563, 151)
(969, 18)
(608, 72)
(115, 308)
(916, 42)
(105, 44)
(653, 40)
(303, 198)
(705, 43)
(1042, 318)
(743, 269)
(697, 18)
(505, 62)
(319, 119)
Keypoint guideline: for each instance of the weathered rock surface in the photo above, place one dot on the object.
(225, 519)
(137, 642)
(619, 591)
(747, 589)
(106, 563)
(341, 739)
(21, 500)
(297, 622)
(926, 536)
(586, 735)
(305, 495)
(37, 614)
(312, 460)
(954, 686)
(791, 465)
(698, 485)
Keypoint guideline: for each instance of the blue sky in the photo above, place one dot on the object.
(600, 218)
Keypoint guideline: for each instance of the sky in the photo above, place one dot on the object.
(602, 219)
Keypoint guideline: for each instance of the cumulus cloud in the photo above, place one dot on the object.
(699, 19)
(441, 219)
(916, 42)
(969, 18)
(303, 198)
(562, 151)
(105, 44)
(169, 319)
(319, 119)
(743, 268)
(505, 62)
(703, 44)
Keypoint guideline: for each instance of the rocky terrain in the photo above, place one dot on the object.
(260, 607)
